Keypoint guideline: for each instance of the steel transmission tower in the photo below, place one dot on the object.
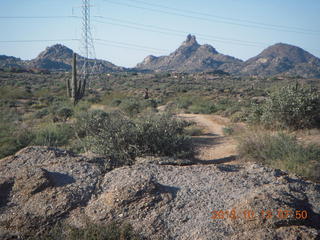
(87, 47)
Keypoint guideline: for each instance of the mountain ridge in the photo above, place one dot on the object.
(57, 58)
(190, 56)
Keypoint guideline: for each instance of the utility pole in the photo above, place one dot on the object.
(80, 80)
(87, 46)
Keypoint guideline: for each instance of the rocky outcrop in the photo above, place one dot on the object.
(191, 57)
(40, 185)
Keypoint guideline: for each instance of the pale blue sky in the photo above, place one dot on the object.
(216, 23)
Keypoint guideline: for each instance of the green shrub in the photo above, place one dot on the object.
(109, 134)
(122, 139)
(240, 116)
(134, 106)
(116, 102)
(13, 93)
(53, 135)
(41, 113)
(64, 113)
(203, 108)
(292, 106)
(281, 151)
(195, 104)
(224, 104)
(12, 136)
(163, 135)
(82, 106)
(11, 144)
(184, 102)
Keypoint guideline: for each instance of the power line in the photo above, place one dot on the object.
(161, 29)
(208, 19)
(110, 43)
(36, 17)
(125, 47)
(177, 32)
(226, 18)
(37, 40)
(132, 45)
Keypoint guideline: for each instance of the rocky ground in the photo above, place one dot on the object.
(41, 185)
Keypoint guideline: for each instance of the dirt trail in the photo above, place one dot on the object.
(213, 146)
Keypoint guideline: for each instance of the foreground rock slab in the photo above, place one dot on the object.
(176, 202)
(39, 186)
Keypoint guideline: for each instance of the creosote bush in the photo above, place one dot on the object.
(123, 139)
(292, 106)
(281, 151)
(163, 135)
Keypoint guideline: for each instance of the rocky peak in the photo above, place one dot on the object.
(190, 57)
(56, 51)
(190, 41)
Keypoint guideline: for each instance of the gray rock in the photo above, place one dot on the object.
(175, 202)
(40, 186)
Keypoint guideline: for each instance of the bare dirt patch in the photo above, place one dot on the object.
(213, 146)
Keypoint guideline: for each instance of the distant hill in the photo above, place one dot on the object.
(56, 58)
(59, 58)
(282, 59)
(278, 59)
(10, 62)
(191, 57)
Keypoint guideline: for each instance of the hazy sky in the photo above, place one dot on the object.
(133, 29)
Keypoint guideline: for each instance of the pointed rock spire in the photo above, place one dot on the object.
(191, 40)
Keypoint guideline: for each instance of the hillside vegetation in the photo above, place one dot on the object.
(115, 125)
(36, 111)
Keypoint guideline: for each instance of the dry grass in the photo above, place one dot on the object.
(281, 150)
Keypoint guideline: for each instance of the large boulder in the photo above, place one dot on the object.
(175, 202)
(40, 185)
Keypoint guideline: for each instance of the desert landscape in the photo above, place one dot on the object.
(194, 144)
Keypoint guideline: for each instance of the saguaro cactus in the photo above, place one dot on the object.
(75, 87)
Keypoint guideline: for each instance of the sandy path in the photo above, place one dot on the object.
(213, 146)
